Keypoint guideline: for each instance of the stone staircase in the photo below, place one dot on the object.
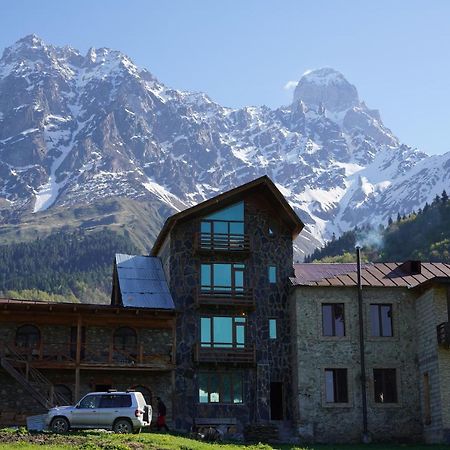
(36, 384)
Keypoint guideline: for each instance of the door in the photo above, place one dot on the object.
(86, 412)
(276, 401)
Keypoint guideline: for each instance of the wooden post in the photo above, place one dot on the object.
(141, 352)
(78, 355)
(77, 384)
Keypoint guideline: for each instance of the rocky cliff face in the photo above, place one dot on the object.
(75, 129)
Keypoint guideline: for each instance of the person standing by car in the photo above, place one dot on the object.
(162, 411)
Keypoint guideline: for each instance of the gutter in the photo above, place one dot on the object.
(365, 436)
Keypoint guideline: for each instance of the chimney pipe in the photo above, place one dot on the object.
(365, 436)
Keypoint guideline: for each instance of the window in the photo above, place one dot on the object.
(220, 387)
(272, 228)
(222, 277)
(115, 401)
(333, 321)
(28, 336)
(385, 385)
(224, 228)
(90, 402)
(272, 274)
(125, 340)
(336, 388)
(272, 328)
(381, 320)
(222, 332)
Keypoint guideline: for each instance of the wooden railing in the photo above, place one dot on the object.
(443, 334)
(222, 242)
(219, 354)
(52, 354)
(225, 297)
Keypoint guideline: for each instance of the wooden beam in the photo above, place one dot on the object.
(77, 384)
(79, 325)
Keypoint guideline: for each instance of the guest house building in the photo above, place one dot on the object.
(219, 323)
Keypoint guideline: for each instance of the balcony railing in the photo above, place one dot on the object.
(221, 354)
(443, 334)
(223, 296)
(65, 354)
(222, 242)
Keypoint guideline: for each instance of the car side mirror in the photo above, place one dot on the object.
(77, 406)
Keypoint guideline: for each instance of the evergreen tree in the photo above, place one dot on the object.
(444, 196)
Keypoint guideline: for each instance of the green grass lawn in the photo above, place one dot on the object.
(94, 440)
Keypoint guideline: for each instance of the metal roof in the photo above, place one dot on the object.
(372, 274)
(142, 282)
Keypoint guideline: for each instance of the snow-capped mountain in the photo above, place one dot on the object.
(75, 129)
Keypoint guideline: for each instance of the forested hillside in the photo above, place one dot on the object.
(63, 266)
(423, 235)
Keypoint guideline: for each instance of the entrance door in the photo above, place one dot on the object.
(276, 401)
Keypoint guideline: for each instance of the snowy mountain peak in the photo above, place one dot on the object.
(326, 88)
(77, 129)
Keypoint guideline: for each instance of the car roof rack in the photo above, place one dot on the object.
(112, 390)
(131, 390)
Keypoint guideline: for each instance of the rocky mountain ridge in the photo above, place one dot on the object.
(77, 129)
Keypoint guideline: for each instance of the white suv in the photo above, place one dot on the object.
(122, 412)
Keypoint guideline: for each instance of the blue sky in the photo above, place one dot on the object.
(243, 52)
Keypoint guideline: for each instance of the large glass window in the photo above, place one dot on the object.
(220, 387)
(222, 277)
(385, 385)
(222, 332)
(224, 229)
(381, 320)
(336, 388)
(333, 322)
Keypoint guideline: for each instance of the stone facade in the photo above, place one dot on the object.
(99, 374)
(412, 351)
(273, 357)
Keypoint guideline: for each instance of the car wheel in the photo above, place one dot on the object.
(59, 425)
(122, 426)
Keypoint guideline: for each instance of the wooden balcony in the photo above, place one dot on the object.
(64, 355)
(443, 334)
(219, 355)
(207, 243)
(225, 297)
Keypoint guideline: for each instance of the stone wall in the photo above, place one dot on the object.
(326, 422)
(273, 356)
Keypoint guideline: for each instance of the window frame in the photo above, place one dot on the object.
(236, 267)
(275, 321)
(269, 278)
(397, 401)
(379, 307)
(337, 390)
(125, 348)
(236, 323)
(18, 333)
(333, 316)
(220, 383)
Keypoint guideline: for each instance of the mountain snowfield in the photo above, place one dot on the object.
(75, 129)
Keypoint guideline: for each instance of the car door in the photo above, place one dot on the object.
(86, 412)
(113, 406)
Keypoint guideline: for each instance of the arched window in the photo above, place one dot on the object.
(28, 336)
(125, 338)
(63, 395)
(146, 392)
